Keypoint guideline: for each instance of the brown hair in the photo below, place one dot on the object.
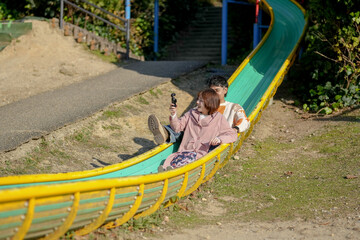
(211, 99)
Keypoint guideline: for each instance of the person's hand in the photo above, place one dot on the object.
(236, 129)
(172, 110)
(215, 141)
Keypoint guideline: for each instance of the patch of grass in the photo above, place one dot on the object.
(29, 165)
(152, 93)
(142, 100)
(155, 92)
(32, 162)
(122, 111)
(44, 144)
(59, 154)
(308, 183)
(111, 127)
(117, 113)
(82, 136)
(187, 219)
(132, 109)
(111, 58)
(146, 222)
(145, 225)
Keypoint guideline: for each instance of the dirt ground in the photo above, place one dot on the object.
(288, 126)
(44, 60)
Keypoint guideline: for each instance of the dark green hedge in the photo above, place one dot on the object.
(327, 77)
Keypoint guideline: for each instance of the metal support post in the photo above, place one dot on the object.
(256, 26)
(127, 17)
(224, 32)
(61, 14)
(255, 35)
(156, 27)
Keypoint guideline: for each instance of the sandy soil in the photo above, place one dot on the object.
(336, 229)
(44, 59)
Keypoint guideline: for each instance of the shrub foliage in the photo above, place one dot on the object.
(328, 77)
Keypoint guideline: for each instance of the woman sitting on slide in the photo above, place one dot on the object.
(203, 127)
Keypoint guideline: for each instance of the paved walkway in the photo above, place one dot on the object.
(38, 115)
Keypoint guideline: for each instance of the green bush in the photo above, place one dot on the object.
(17, 9)
(8, 10)
(330, 66)
(4, 12)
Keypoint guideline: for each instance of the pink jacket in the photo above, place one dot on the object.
(198, 134)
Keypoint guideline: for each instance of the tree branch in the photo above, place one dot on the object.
(319, 53)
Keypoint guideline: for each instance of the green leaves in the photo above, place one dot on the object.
(329, 98)
(326, 110)
(330, 69)
(5, 13)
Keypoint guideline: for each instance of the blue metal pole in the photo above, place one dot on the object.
(156, 27)
(260, 24)
(255, 35)
(61, 13)
(127, 17)
(127, 9)
(256, 27)
(224, 33)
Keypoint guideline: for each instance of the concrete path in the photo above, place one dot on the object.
(36, 116)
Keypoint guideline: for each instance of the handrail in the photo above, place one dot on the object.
(94, 15)
(103, 10)
(126, 21)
